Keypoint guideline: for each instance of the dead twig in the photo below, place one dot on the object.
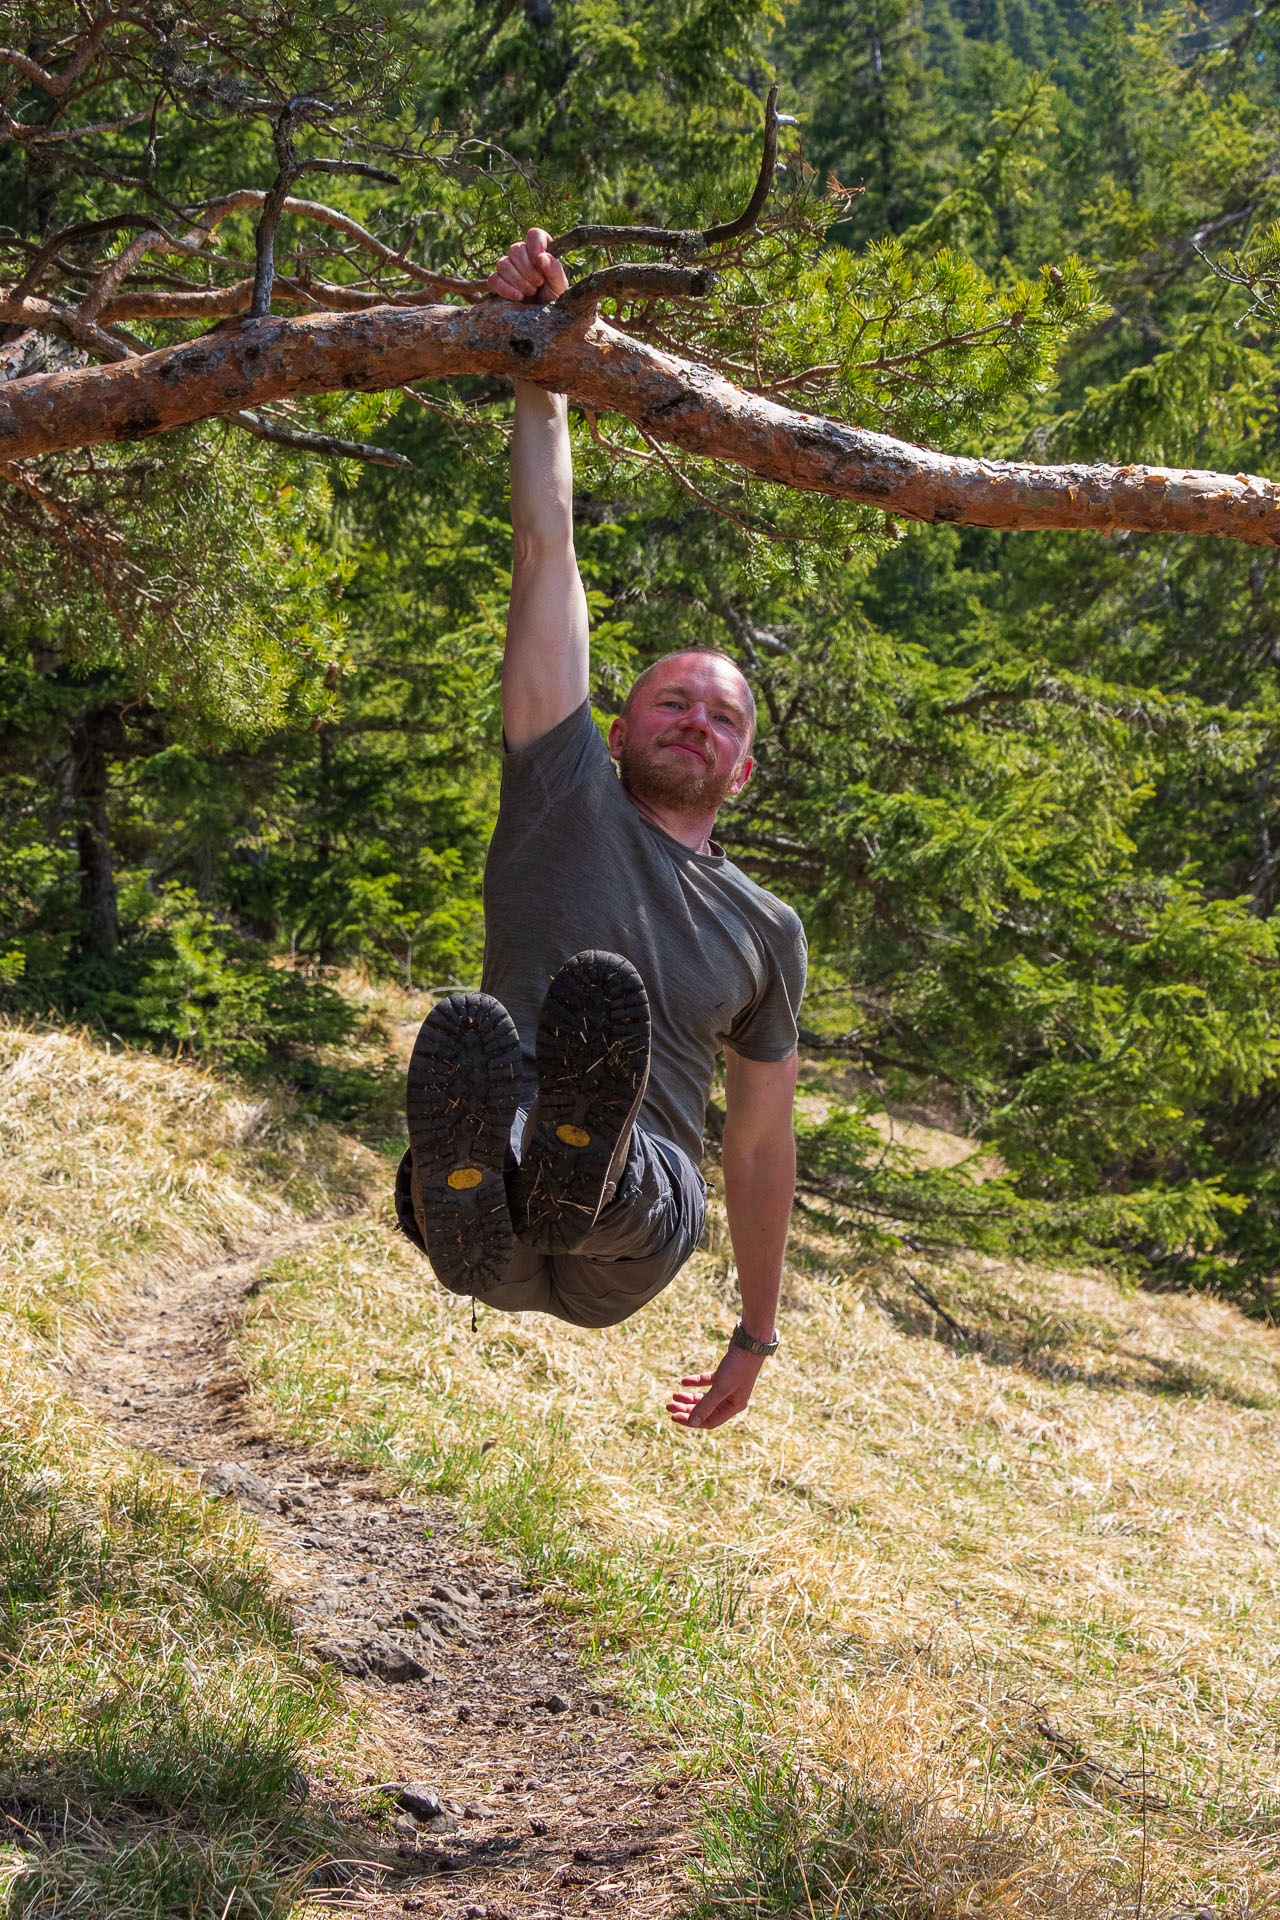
(686, 242)
(304, 440)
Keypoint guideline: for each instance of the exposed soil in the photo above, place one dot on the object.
(532, 1793)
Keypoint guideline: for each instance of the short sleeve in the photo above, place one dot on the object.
(534, 777)
(768, 1029)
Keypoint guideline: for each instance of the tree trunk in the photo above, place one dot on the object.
(671, 400)
(92, 734)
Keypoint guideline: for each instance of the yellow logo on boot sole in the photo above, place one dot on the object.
(464, 1177)
(573, 1136)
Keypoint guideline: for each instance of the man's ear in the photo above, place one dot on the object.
(617, 734)
(742, 776)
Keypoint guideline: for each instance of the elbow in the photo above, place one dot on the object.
(755, 1155)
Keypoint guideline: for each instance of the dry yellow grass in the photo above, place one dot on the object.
(149, 1678)
(1006, 1582)
(1005, 1590)
(120, 1166)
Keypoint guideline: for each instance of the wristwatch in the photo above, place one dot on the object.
(749, 1343)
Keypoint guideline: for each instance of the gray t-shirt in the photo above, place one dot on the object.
(572, 864)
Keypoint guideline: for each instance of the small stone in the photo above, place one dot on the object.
(454, 1596)
(593, 1706)
(406, 1827)
(558, 1703)
(538, 1826)
(533, 1786)
(472, 1813)
(346, 1655)
(241, 1483)
(392, 1662)
(421, 1800)
(466, 1715)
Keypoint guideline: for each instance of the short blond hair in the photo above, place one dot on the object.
(683, 653)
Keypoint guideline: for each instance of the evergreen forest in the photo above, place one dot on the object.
(1023, 787)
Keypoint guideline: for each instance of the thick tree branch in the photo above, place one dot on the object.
(673, 401)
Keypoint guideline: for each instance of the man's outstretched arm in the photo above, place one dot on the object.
(759, 1161)
(545, 666)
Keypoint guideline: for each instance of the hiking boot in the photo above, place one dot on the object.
(460, 1105)
(593, 1067)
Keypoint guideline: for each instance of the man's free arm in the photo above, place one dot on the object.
(759, 1161)
(546, 663)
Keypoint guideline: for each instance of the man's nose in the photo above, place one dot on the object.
(698, 717)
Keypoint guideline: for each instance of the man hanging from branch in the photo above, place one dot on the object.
(555, 1119)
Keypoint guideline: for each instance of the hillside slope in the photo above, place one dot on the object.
(978, 1599)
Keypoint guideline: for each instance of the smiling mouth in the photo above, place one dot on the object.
(676, 746)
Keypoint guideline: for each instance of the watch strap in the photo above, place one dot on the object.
(749, 1344)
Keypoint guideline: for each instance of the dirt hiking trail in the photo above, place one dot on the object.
(527, 1794)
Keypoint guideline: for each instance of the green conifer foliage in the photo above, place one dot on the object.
(1024, 788)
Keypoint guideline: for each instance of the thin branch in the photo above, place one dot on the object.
(59, 83)
(303, 440)
(55, 136)
(57, 317)
(83, 230)
(690, 240)
(111, 277)
(359, 167)
(217, 210)
(617, 283)
(746, 220)
(272, 208)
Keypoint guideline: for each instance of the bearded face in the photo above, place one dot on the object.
(683, 740)
(674, 773)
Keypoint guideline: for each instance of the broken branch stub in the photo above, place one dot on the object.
(676, 402)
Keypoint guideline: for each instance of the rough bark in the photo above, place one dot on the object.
(673, 401)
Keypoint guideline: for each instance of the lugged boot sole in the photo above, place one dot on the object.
(593, 1065)
(459, 1105)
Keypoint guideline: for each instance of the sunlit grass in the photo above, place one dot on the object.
(1011, 1599)
(121, 1167)
(982, 1622)
(156, 1720)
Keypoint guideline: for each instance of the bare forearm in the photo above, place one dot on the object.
(541, 471)
(758, 1191)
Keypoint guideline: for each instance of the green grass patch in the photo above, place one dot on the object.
(159, 1722)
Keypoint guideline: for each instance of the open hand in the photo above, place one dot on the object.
(527, 271)
(728, 1390)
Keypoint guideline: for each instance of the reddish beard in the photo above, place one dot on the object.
(677, 784)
